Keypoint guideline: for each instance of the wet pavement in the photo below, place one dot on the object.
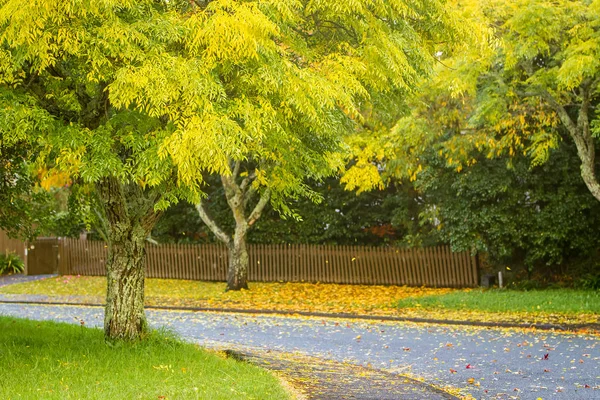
(19, 278)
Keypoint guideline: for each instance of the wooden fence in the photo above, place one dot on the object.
(13, 246)
(434, 266)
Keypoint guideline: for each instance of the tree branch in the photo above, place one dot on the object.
(561, 111)
(236, 169)
(248, 195)
(111, 192)
(247, 180)
(581, 135)
(150, 218)
(443, 64)
(230, 187)
(260, 206)
(212, 225)
(583, 122)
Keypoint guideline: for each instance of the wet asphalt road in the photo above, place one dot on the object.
(486, 363)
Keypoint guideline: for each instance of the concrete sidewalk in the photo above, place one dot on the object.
(322, 379)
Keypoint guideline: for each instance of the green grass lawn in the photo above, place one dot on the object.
(46, 360)
(562, 301)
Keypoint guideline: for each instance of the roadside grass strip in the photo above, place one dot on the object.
(47, 360)
(561, 301)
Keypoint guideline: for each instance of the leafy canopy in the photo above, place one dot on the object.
(538, 78)
(146, 91)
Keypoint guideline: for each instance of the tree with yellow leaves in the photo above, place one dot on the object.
(539, 76)
(142, 97)
(322, 70)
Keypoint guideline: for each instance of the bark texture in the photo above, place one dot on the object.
(130, 215)
(237, 274)
(124, 316)
(238, 197)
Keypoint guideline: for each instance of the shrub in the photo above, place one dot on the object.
(10, 263)
(590, 281)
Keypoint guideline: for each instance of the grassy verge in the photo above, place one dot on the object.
(46, 360)
(562, 301)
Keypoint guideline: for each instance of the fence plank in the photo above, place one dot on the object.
(459, 273)
(407, 276)
(310, 266)
(423, 273)
(464, 262)
(198, 271)
(436, 274)
(439, 267)
(413, 266)
(452, 273)
(410, 267)
(338, 261)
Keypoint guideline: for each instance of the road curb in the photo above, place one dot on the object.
(549, 327)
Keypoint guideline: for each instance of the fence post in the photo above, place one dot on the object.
(477, 270)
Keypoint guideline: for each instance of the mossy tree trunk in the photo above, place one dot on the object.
(130, 214)
(238, 197)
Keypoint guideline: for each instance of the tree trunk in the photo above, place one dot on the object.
(238, 196)
(237, 274)
(582, 136)
(124, 317)
(588, 173)
(130, 217)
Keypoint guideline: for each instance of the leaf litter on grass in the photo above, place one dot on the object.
(299, 297)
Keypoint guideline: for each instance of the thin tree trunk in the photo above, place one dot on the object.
(238, 196)
(237, 274)
(582, 136)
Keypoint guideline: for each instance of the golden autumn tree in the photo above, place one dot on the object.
(140, 98)
(537, 77)
(312, 73)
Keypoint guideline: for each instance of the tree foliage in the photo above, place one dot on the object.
(535, 80)
(480, 137)
(542, 219)
(24, 206)
(316, 72)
